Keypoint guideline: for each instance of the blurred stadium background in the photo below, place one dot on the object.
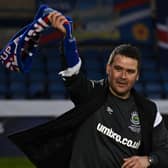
(36, 97)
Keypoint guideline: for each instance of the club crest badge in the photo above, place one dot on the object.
(135, 122)
(135, 118)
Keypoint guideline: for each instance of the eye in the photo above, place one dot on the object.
(131, 71)
(118, 68)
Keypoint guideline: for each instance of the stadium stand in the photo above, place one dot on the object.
(44, 83)
(43, 80)
(46, 65)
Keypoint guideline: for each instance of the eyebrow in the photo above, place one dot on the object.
(130, 70)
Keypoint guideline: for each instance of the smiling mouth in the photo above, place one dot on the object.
(121, 84)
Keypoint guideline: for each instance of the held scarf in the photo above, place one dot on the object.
(18, 53)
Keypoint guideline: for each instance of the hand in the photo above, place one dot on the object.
(136, 162)
(57, 20)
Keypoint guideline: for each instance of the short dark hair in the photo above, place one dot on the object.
(127, 50)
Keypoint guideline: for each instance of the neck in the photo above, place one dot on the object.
(122, 96)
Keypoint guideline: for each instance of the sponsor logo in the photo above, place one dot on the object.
(109, 110)
(116, 137)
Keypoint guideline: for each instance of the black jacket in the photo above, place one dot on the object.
(50, 144)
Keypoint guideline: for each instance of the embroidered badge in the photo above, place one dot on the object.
(135, 122)
(109, 110)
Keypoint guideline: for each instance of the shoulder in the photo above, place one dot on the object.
(99, 83)
(147, 108)
(101, 86)
(143, 101)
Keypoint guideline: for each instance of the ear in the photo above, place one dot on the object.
(107, 69)
(137, 78)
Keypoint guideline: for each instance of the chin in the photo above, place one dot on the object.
(122, 93)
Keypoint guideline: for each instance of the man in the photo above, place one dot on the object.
(111, 126)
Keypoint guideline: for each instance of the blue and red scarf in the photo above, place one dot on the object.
(18, 53)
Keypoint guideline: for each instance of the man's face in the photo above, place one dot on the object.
(122, 74)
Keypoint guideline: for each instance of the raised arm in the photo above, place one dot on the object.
(81, 90)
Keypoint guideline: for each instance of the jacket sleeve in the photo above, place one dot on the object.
(81, 89)
(160, 144)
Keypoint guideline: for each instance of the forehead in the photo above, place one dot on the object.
(125, 62)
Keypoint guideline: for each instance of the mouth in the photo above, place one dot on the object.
(122, 84)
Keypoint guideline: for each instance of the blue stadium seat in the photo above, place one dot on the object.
(17, 89)
(34, 87)
(153, 95)
(139, 87)
(53, 76)
(149, 63)
(151, 76)
(53, 64)
(56, 90)
(164, 74)
(93, 63)
(166, 88)
(154, 90)
(2, 74)
(90, 54)
(15, 76)
(2, 89)
(38, 64)
(105, 56)
(53, 58)
(37, 76)
(94, 75)
(154, 87)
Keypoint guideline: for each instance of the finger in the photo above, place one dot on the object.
(128, 162)
(131, 164)
(57, 20)
(52, 14)
(131, 158)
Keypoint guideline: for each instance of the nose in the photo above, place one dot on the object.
(123, 74)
